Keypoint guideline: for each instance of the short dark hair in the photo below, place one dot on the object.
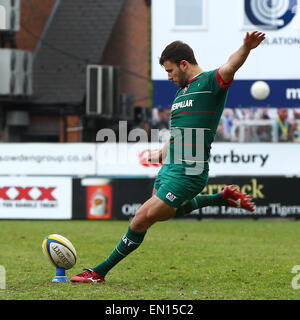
(176, 52)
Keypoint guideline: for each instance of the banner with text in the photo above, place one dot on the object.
(47, 158)
(130, 159)
(273, 197)
(35, 198)
(197, 23)
(227, 159)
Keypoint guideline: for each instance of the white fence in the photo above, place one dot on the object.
(248, 130)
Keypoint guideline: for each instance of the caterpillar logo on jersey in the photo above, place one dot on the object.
(170, 196)
(182, 104)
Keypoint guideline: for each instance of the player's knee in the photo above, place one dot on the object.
(142, 221)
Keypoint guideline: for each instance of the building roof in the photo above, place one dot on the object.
(76, 35)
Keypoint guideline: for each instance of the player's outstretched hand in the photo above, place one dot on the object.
(253, 39)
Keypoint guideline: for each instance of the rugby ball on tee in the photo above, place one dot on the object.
(59, 251)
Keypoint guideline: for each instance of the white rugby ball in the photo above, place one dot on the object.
(260, 90)
(59, 251)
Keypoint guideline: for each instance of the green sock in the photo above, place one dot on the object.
(129, 242)
(200, 202)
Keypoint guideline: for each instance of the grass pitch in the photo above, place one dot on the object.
(178, 260)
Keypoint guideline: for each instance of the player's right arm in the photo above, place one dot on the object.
(159, 155)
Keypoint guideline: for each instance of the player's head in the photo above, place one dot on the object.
(176, 58)
(176, 52)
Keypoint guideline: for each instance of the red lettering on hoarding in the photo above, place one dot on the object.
(3, 194)
(23, 193)
(144, 161)
(46, 194)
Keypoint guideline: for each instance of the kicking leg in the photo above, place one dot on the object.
(150, 212)
(229, 196)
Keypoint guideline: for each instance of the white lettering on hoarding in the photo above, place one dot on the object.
(293, 93)
(130, 209)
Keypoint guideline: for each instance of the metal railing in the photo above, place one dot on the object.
(250, 125)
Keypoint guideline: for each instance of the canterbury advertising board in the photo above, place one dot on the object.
(263, 159)
(227, 159)
(35, 198)
(47, 158)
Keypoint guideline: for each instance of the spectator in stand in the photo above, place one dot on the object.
(296, 114)
(165, 118)
(221, 134)
(248, 114)
(297, 131)
(264, 132)
(249, 131)
(284, 127)
(162, 123)
(227, 123)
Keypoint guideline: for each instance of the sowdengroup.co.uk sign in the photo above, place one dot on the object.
(48, 159)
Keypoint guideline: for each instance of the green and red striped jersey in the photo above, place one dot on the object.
(199, 105)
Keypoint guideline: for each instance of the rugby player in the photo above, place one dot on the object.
(196, 111)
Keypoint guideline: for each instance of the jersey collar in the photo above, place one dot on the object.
(194, 78)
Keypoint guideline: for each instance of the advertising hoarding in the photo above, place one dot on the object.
(215, 29)
(47, 158)
(273, 197)
(130, 159)
(227, 159)
(35, 198)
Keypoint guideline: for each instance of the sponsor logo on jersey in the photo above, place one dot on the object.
(170, 196)
(182, 104)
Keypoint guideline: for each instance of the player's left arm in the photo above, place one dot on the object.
(237, 59)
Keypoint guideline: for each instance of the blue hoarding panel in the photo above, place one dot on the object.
(283, 93)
